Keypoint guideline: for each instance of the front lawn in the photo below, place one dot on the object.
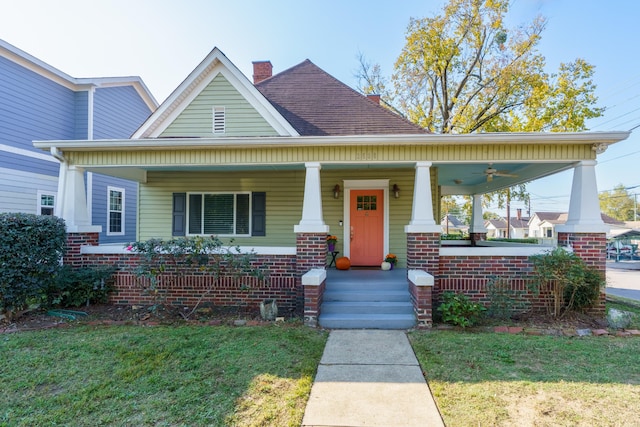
(490, 379)
(161, 376)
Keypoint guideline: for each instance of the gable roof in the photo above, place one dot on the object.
(561, 218)
(496, 223)
(454, 221)
(523, 222)
(216, 63)
(318, 104)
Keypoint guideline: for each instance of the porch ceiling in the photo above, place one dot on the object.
(454, 178)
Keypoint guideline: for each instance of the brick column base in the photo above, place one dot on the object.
(423, 252)
(592, 248)
(75, 241)
(476, 237)
(423, 257)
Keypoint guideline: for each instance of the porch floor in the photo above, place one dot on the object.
(367, 299)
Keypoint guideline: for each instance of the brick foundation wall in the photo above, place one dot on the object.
(186, 286)
(470, 275)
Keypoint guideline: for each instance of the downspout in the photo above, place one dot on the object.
(62, 179)
(90, 97)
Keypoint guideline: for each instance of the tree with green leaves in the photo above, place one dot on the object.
(618, 203)
(464, 71)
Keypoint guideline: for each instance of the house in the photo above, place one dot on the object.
(544, 224)
(279, 162)
(518, 228)
(452, 225)
(37, 102)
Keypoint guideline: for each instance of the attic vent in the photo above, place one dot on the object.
(218, 120)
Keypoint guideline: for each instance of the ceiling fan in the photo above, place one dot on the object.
(490, 172)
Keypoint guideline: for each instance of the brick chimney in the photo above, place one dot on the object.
(374, 97)
(519, 213)
(261, 70)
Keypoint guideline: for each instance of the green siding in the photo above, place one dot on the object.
(197, 118)
(284, 201)
(298, 155)
(285, 191)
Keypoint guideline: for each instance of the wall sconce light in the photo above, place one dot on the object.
(340, 222)
(336, 191)
(396, 191)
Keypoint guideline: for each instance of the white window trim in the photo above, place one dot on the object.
(122, 228)
(235, 193)
(219, 123)
(39, 205)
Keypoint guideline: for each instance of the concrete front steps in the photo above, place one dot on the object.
(366, 299)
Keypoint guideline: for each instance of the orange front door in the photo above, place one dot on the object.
(367, 227)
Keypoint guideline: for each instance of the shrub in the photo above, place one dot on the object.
(206, 254)
(585, 294)
(574, 285)
(31, 247)
(77, 286)
(527, 241)
(459, 310)
(504, 302)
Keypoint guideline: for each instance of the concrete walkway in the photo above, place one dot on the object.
(370, 378)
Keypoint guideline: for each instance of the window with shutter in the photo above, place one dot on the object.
(226, 214)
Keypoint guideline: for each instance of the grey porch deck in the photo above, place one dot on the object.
(367, 299)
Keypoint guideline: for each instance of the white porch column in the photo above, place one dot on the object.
(72, 200)
(477, 221)
(422, 211)
(312, 219)
(584, 206)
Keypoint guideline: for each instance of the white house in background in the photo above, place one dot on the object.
(451, 224)
(497, 228)
(543, 224)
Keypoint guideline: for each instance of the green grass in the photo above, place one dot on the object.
(493, 379)
(161, 376)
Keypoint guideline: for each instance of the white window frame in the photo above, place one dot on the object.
(39, 207)
(219, 125)
(235, 207)
(109, 211)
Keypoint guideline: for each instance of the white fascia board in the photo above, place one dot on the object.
(134, 81)
(40, 67)
(34, 64)
(27, 153)
(324, 141)
(215, 63)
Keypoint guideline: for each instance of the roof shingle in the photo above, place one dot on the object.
(317, 104)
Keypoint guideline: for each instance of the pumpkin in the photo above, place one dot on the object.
(385, 265)
(343, 263)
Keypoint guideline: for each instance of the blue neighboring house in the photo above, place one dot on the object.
(40, 102)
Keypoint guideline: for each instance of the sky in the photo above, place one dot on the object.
(162, 41)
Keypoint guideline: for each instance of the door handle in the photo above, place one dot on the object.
(352, 233)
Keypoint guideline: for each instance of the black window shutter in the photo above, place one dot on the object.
(259, 214)
(179, 214)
